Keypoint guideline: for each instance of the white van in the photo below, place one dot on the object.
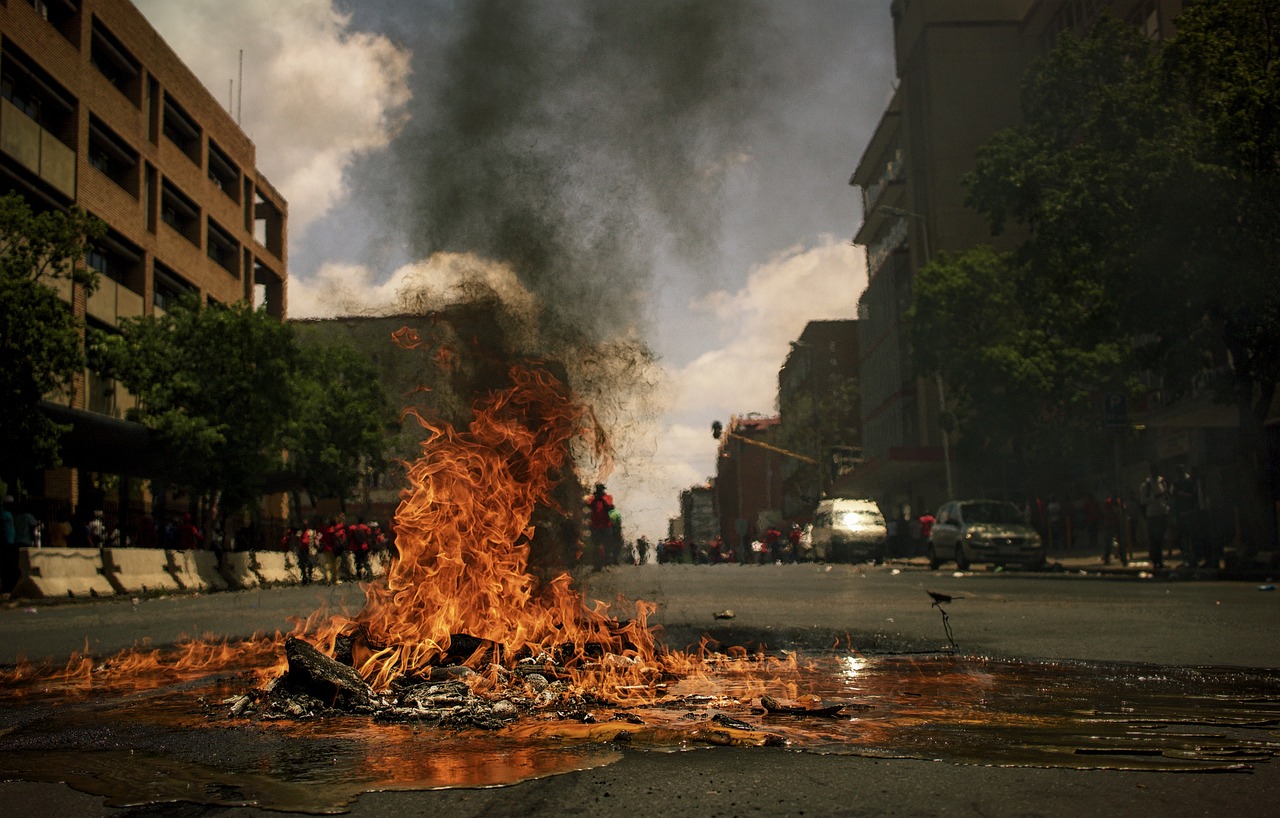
(849, 531)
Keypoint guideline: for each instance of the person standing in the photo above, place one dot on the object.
(1113, 529)
(598, 523)
(1187, 503)
(1153, 499)
(358, 537)
(8, 547)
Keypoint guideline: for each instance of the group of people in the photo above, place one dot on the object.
(1162, 515)
(342, 550)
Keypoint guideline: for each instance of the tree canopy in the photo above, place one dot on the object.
(41, 351)
(337, 432)
(1143, 182)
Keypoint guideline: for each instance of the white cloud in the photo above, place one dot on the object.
(445, 278)
(739, 375)
(316, 94)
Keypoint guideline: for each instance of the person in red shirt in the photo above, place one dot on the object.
(599, 505)
(359, 538)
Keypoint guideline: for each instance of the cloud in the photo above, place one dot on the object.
(738, 375)
(316, 94)
(445, 278)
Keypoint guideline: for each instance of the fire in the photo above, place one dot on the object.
(463, 533)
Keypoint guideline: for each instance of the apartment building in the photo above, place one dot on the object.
(97, 111)
(959, 67)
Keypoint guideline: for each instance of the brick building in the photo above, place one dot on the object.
(748, 484)
(97, 111)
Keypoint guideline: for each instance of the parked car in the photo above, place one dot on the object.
(991, 531)
(848, 531)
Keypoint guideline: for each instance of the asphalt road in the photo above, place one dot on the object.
(874, 609)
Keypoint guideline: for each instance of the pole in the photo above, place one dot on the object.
(946, 436)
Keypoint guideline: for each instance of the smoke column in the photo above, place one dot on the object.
(575, 141)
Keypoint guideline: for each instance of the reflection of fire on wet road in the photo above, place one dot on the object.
(161, 744)
(509, 676)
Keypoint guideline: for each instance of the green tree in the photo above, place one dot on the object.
(1144, 176)
(1019, 377)
(337, 433)
(214, 383)
(41, 351)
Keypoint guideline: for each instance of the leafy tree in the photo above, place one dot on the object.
(1019, 376)
(215, 384)
(1144, 177)
(41, 351)
(337, 432)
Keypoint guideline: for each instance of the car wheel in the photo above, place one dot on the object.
(934, 560)
(962, 562)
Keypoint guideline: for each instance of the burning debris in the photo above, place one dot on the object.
(461, 633)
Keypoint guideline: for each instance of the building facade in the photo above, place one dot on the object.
(819, 406)
(959, 67)
(97, 111)
(748, 484)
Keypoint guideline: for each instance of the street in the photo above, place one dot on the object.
(873, 609)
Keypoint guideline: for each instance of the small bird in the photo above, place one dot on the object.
(939, 599)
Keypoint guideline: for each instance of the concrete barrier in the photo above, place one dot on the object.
(277, 568)
(238, 569)
(138, 570)
(61, 572)
(197, 570)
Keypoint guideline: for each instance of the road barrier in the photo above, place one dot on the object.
(83, 572)
(197, 570)
(277, 568)
(61, 572)
(238, 569)
(139, 570)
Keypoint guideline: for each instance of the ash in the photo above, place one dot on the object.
(316, 685)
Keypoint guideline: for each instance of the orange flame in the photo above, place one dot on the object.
(463, 534)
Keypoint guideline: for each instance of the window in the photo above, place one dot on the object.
(38, 95)
(222, 248)
(115, 63)
(223, 172)
(63, 15)
(179, 212)
(180, 129)
(169, 288)
(113, 156)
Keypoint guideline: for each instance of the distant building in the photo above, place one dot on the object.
(960, 65)
(96, 110)
(819, 408)
(748, 486)
(699, 524)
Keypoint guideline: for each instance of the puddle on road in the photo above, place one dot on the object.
(175, 744)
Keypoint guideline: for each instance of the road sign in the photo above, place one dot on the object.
(1115, 412)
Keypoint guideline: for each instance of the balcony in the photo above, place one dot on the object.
(36, 149)
(113, 301)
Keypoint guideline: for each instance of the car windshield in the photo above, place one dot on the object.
(1001, 513)
(857, 519)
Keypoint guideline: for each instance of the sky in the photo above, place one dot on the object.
(669, 175)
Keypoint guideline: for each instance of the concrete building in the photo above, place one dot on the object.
(820, 412)
(959, 69)
(97, 111)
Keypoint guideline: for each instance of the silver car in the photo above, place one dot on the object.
(991, 531)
